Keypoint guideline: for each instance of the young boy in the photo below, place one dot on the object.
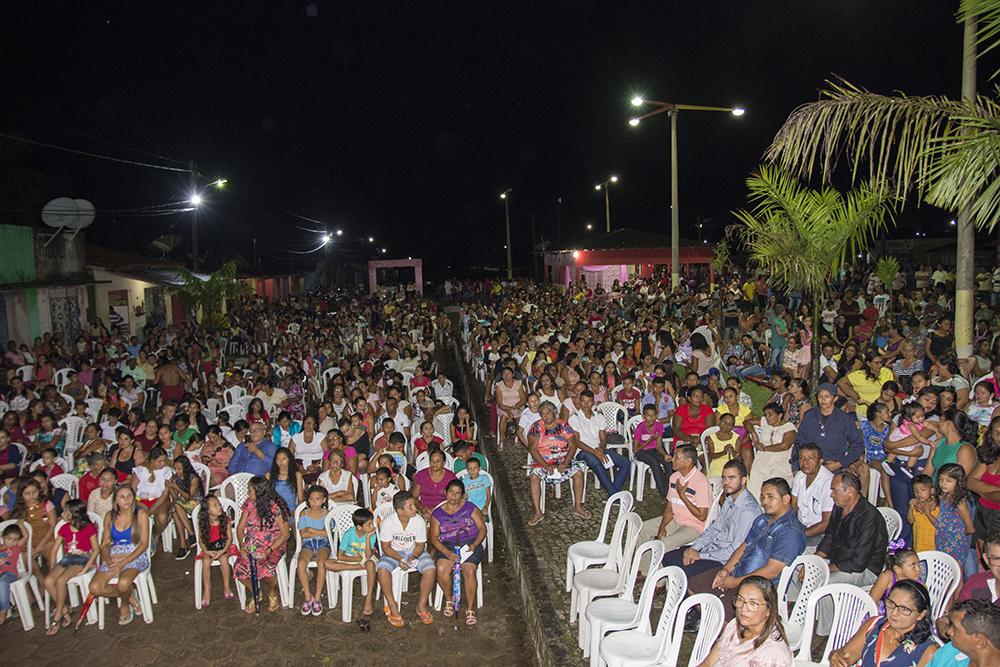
(13, 541)
(629, 396)
(478, 487)
(358, 550)
(383, 488)
(49, 464)
(463, 455)
(403, 536)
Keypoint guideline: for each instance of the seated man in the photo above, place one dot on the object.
(774, 541)
(854, 543)
(255, 456)
(591, 442)
(974, 630)
(686, 507)
(737, 514)
(403, 536)
(985, 585)
(811, 495)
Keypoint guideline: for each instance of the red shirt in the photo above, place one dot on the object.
(422, 444)
(693, 424)
(77, 542)
(90, 482)
(147, 444)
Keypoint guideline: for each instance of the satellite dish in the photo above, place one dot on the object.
(69, 213)
(166, 243)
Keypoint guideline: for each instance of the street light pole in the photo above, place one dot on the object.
(607, 199)
(672, 109)
(194, 217)
(505, 196)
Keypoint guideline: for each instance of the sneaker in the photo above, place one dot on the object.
(182, 553)
(887, 469)
(306, 608)
(317, 608)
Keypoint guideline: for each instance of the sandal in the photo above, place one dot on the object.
(535, 520)
(395, 620)
(582, 513)
(67, 620)
(126, 621)
(250, 608)
(136, 607)
(470, 617)
(425, 617)
(273, 603)
(449, 609)
(53, 629)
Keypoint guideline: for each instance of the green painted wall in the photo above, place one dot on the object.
(31, 301)
(17, 254)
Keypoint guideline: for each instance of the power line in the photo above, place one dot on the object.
(95, 155)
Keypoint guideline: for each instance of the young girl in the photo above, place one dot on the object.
(149, 481)
(78, 537)
(900, 564)
(876, 431)
(358, 551)
(286, 478)
(102, 498)
(954, 527)
(338, 481)
(722, 445)
(186, 491)
(215, 546)
(14, 540)
(315, 544)
(382, 488)
(34, 509)
(911, 423)
(263, 534)
(923, 513)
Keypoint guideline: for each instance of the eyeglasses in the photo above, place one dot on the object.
(751, 605)
(993, 559)
(892, 606)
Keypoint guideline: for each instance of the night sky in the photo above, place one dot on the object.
(404, 121)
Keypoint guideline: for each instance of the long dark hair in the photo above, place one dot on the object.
(957, 473)
(266, 499)
(187, 474)
(922, 600)
(20, 507)
(293, 467)
(772, 626)
(203, 520)
(78, 517)
(989, 451)
(968, 429)
(113, 514)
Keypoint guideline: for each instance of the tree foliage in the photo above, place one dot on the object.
(206, 296)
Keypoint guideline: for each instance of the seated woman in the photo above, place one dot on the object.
(430, 483)
(900, 638)
(286, 478)
(307, 448)
(215, 453)
(755, 637)
(692, 418)
(124, 542)
(338, 481)
(186, 492)
(263, 534)
(149, 481)
(552, 447)
(457, 533)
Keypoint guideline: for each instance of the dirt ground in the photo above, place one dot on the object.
(224, 635)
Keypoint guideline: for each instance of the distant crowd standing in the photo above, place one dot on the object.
(313, 437)
(895, 452)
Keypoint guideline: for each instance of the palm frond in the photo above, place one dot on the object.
(986, 13)
(889, 133)
(887, 269)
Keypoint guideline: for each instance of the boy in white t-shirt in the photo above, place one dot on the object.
(403, 536)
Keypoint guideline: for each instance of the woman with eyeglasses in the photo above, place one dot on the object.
(755, 638)
(901, 638)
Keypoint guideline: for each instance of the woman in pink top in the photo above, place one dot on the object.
(755, 638)
(430, 483)
(510, 398)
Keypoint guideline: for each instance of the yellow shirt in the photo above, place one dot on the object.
(742, 412)
(717, 444)
(867, 390)
(923, 531)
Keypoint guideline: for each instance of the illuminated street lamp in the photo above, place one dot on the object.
(603, 185)
(505, 196)
(672, 109)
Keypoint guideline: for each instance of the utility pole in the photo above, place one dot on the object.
(965, 262)
(506, 213)
(559, 211)
(195, 264)
(675, 233)
(607, 209)
(534, 251)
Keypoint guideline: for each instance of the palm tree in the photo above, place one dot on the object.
(802, 237)
(945, 151)
(209, 295)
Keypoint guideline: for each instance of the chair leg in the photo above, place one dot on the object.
(197, 584)
(346, 597)
(569, 574)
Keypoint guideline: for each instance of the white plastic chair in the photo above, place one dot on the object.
(944, 574)
(233, 394)
(236, 487)
(609, 579)
(400, 578)
(893, 522)
(634, 648)
(211, 410)
(68, 483)
(617, 612)
(19, 587)
(639, 469)
(73, 598)
(293, 560)
(24, 455)
(584, 554)
(816, 573)
(874, 486)
(94, 406)
(79, 586)
(715, 484)
(144, 590)
(343, 521)
(74, 427)
(488, 514)
(61, 378)
(203, 472)
(235, 412)
(26, 373)
(4, 408)
(442, 426)
(609, 614)
(557, 488)
(615, 419)
(851, 606)
(711, 430)
(60, 461)
(233, 511)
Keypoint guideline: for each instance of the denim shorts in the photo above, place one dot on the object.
(314, 544)
(74, 559)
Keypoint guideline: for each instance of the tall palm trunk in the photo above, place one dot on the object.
(965, 263)
(814, 378)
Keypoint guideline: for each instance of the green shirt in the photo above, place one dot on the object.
(483, 463)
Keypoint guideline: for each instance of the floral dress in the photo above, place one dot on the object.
(258, 537)
(950, 536)
(907, 654)
(295, 406)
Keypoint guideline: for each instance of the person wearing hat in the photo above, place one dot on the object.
(834, 431)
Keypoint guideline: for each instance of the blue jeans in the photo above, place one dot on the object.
(777, 356)
(750, 371)
(622, 467)
(901, 488)
(6, 579)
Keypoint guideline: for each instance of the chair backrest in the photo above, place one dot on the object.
(70, 401)
(383, 511)
(60, 461)
(61, 378)
(676, 589)
(343, 519)
(26, 373)
(944, 574)
(713, 615)
(233, 394)
(228, 506)
(74, 427)
(235, 413)
(624, 500)
(711, 430)
(68, 483)
(630, 428)
(24, 454)
(633, 526)
(442, 426)
(715, 483)
(424, 461)
(653, 550)
(893, 522)
(874, 484)
(236, 487)
(816, 573)
(615, 415)
(203, 472)
(851, 606)
(4, 408)
(94, 406)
